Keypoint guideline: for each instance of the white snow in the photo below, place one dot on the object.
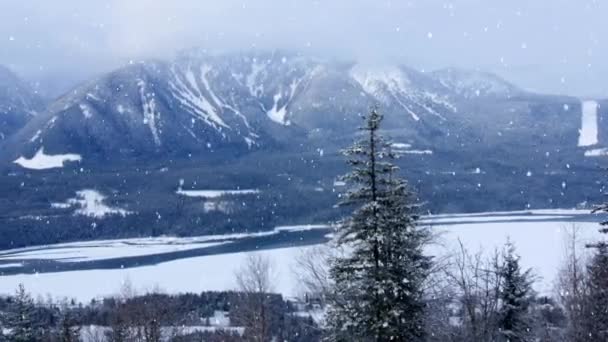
(151, 115)
(472, 83)
(256, 88)
(374, 79)
(588, 133)
(388, 83)
(418, 152)
(216, 272)
(597, 152)
(86, 111)
(215, 193)
(36, 136)
(403, 146)
(277, 113)
(191, 97)
(42, 161)
(90, 203)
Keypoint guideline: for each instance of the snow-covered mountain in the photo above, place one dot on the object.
(18, 103)
(274, 122)
(202, 102)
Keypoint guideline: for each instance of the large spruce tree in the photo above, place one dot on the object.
(596, 317)
(377, 292)
(516, 295)
(597, 302)
(20, 323)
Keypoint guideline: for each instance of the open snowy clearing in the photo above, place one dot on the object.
(540, 242)
(90, 203)
(589, 132)
(42, 161)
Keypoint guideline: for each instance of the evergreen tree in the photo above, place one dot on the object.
(69, 331)
(377, 285)
(596, 317)
(516, 295)
(597, 301)
(20, 324)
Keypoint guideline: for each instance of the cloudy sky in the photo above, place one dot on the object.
(556, 46)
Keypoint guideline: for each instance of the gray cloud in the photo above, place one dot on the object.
(546, 45)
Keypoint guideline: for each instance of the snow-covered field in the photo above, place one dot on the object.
(538, 235)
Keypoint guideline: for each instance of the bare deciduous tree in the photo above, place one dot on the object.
(572, 289)
(476, 282)
(254, 281)
(312, 270)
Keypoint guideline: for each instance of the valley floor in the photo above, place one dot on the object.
(93, 269)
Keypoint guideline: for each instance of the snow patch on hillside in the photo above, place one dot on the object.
(90, 203)
(376, 79)
(588, 133)
(86, 111)
(151, 114)
(256, 88)
(403, 148)
(278, 112)
(215, 193)
(42, 161)
(392, 84)
(597, 152)
(192, 98)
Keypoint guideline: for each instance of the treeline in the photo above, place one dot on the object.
(208, 316)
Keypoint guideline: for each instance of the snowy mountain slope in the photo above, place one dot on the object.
(474, 83)
(151, 108)
(275, 121)
(398, 86)
(18, 103)
(201, 103)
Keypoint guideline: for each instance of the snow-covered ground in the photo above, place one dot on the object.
(42, 161)
(538, 235)
(588, 134)
(596, 152)
(90, 203)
